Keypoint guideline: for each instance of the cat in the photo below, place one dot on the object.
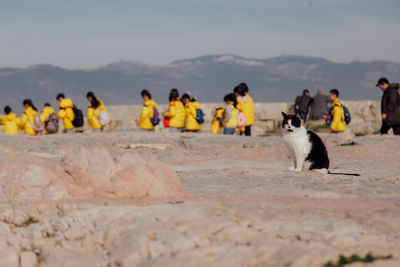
(307, 151)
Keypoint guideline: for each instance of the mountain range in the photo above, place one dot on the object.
(208, 78)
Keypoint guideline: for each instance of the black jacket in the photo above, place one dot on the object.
(302, 103)
(390, 104)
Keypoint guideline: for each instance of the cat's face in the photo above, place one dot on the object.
(290, 123)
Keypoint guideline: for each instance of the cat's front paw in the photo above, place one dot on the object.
(292, 168)
(297, 170)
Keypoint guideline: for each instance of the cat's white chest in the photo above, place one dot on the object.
(298, 142)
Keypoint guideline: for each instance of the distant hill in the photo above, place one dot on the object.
(207, 77)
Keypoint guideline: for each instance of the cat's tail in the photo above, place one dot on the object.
(343, 173)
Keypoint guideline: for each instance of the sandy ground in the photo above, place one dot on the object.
(156, 199)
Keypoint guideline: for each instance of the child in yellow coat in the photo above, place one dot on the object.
(176, 112)
(96, 107)
(191, 107)
(29, 118)
(231, 114)
(338, 123)
(245, 105)
(217, 120)
(147, 111)
(10, 120)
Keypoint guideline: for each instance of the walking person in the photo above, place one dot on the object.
(176, 112)
(338, 121)
(320, 105)
(30, 121)
(302, 105)
(95, 108)
(148, 111)
(66, 112)
(191, 107)
(390, 106)
(10, 120)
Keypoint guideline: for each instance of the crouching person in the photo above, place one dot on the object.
(66, 112)
(10, 120)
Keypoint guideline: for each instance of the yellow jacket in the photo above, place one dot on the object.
(11, 123)
(28, 120)
(147, 113)
(176, 114)
(216, 123)
(66, 113)
(338, 123)
(46, 112)
(246, 105)
(191, 115)
(232, 121)
(93, 115)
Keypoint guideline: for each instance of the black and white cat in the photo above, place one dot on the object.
(307, 151)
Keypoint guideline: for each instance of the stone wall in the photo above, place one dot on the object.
(365, 115)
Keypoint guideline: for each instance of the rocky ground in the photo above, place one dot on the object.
(157, 199)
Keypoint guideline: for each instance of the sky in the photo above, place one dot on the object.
(93, 33)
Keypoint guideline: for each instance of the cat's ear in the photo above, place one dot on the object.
(284, 114)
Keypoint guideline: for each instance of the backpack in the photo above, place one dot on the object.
(199, 116)
(37, 124)
(104, 118)
(347, 116)
(155, 120)
(51, 124)
(78, 117)
(241, 120)
(301, 104)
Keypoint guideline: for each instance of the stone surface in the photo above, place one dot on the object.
(193, 200)
(28, 259)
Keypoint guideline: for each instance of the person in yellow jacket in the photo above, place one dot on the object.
(28, 121)
(10, 120)
(176, 112)
(191, 107)
(338, 123)
(231, 114)
(46, 112)
(147, 111)
(66, 112)
(245, 105)
(96, 106)
(217, 122)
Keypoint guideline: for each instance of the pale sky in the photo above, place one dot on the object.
(89, 34)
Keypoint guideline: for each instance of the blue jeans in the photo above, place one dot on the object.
(303, 116)
(230, 131)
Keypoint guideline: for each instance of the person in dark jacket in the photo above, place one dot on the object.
(390, 106)
(320, 105)
(302, 105)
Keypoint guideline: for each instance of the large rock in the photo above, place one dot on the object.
(129, 175)
(25, 181)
